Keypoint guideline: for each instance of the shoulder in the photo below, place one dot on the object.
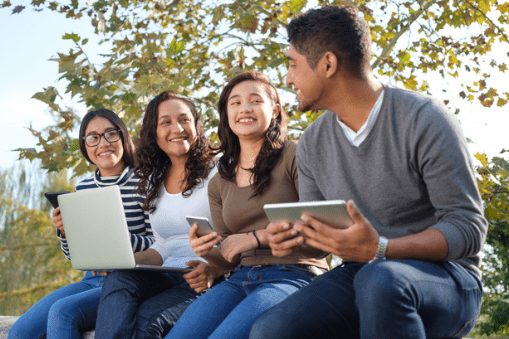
(86, 183)
(324, 124)
(420, 114)
(289, 148)
(412, 105)
(288, 154)
(321, 129)
(215, 183)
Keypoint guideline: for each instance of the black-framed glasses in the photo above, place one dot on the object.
(94, 139)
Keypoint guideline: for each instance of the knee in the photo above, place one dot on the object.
(117, 280)
(59, 312)
(17, 330)
(264, 326)
(27, 327)
(276, 323)
(378, 283)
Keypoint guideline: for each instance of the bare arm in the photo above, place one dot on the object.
(148, 257)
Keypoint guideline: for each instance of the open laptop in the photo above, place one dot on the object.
(97, 234)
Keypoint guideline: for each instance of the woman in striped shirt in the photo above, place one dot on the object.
(105, 142)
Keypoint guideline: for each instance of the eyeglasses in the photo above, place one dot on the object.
(94, 139)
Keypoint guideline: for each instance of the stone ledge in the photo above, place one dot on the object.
(6, 323)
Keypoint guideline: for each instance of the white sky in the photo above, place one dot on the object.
(29, 39)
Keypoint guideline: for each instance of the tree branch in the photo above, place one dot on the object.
(492, 24)
(403, 30)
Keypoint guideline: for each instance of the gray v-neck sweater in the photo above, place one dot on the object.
(412, 172)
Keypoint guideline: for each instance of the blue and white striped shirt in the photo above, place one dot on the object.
(137, 220)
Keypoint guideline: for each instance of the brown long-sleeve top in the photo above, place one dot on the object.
(233, 212)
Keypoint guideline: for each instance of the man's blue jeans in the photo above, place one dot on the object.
(383, 299)
(69, 310)
(229, 309)
(136, 304)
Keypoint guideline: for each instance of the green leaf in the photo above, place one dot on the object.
(72, 36)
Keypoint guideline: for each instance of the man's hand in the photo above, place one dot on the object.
(202, 277)
(57, 220)
(202, 245)
(358, 242)
(281, 238)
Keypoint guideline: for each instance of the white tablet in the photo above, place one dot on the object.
(330, 212)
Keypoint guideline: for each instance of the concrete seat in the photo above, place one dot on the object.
(6, 323)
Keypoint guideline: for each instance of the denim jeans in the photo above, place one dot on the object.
(70, 309)
(229, 309)
(141, 304)
(383, 299)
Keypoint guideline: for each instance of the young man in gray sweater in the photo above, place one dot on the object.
(401, 161)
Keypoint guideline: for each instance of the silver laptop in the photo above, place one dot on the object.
(96, 231)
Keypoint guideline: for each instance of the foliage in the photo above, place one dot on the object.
(31, 262)
(494, 188)
(193, 46)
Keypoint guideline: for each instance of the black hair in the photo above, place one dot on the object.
(340, 30)
(129, 157)
(273, 143)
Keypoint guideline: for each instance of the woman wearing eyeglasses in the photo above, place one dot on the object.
(106, 143)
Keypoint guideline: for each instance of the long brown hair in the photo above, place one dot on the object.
(153, 163)
(273, 143)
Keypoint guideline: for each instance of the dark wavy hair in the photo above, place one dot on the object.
(339, 30)
(153, 163)
(273, 143)
(129, 157)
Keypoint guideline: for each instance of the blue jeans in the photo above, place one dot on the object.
(144, 304)
(229, 309)
(70, 309)
(383, 299)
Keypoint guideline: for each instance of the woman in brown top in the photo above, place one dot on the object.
(257, 167)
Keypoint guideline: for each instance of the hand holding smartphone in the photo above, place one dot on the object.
(204, 226)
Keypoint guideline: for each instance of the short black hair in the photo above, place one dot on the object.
(340, 30)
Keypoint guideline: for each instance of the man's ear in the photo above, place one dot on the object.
(330, 64)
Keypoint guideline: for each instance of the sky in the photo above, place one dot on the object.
(28, 40)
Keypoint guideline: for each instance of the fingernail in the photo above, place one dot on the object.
(293, 232)
(286, 226)
(300, 240)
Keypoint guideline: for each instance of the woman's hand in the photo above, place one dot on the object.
(57, 220)
(235, 244)
(101, 273)
(202, 245)
(202, 277)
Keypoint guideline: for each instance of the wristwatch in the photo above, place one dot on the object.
(382, 247)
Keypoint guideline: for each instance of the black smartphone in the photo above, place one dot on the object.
(52, 197)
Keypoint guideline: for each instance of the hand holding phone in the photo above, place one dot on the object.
(204, 226)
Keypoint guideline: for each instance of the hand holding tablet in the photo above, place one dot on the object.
(330, 212)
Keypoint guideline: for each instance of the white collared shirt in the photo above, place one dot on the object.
(357, 138)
